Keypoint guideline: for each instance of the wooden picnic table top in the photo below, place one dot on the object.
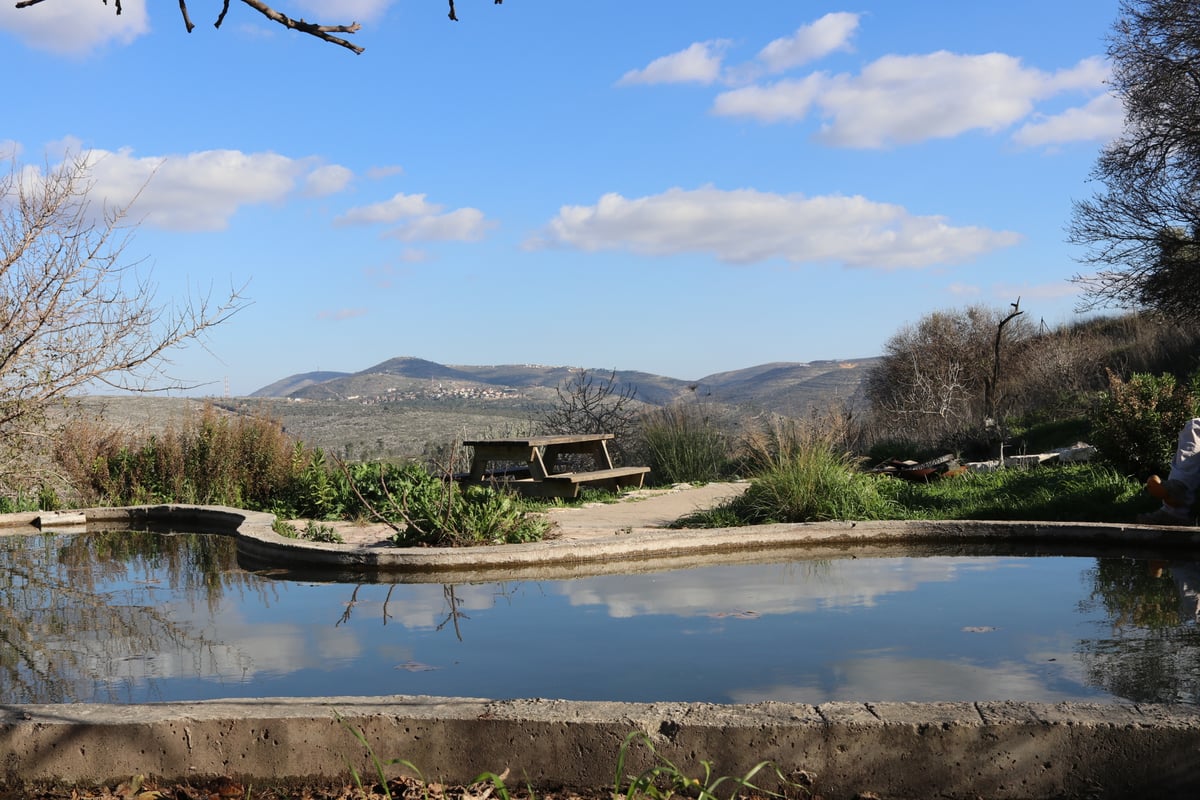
(541, 441)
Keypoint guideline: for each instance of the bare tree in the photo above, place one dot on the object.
(74, 314)
(940, 378)
(1141, 231)
(323, 32)
(588, 403)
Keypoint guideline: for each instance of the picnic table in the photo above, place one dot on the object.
(549, 466)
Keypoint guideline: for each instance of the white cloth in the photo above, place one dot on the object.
(1185, 467)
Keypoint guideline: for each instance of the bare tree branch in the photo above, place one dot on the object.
(323, 32)
(74, 313)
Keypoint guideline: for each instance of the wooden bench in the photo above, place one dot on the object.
(531, 464)
(613, 478)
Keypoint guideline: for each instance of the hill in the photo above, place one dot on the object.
(411, 407)
(784, 387)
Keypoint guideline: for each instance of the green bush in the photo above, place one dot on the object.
(813, 485)
(682, 444)
(440, 513)
(1136, 424)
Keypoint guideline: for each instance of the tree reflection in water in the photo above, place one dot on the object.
(78, 616)
(1152, 648)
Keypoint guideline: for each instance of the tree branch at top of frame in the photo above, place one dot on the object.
(323, 32)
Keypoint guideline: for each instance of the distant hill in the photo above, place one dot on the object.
(785, 387)
(294, 383)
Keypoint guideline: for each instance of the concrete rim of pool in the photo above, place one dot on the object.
(989, 749)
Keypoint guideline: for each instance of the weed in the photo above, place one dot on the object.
(664, 780)
(376, 762)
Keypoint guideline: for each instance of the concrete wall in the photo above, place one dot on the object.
(897, 750)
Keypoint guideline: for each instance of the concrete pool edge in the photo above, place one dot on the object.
(992, 749)
(952, 750)
(262, 547)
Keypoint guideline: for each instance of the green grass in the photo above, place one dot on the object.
(822, 490)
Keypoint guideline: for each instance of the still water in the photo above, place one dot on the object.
(139, 617)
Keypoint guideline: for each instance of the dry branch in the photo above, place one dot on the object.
(323, 32)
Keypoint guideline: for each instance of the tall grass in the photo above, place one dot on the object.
(209, 458)
(805, 473)
(682, 443)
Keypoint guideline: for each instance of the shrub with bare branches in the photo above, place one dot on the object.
(74, 313)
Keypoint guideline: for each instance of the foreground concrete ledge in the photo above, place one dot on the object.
(996, 750)
(636, 549)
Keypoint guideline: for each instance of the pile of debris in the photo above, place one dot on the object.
(924, 471)
(947, 465)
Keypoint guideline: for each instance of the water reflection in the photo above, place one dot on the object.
(131, 617)
(80, 617)
(1147, 647)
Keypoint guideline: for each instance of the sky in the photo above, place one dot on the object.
(681, 187)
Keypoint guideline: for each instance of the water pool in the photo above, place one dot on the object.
(134, 617)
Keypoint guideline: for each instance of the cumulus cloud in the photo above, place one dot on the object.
(746, 226)
(1102, 119)
(75, 28)
(396, 208)
(329, 179)
(810, 42)
(905, 99)
(699, 63)
(416, 219)
(200, 191)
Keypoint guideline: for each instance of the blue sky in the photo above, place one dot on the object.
(682, 187)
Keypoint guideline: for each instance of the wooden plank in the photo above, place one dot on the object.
(599, 475)
(541, 441)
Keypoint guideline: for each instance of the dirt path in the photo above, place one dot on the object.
(643, 508)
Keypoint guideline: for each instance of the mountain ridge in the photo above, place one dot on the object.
(789, 387)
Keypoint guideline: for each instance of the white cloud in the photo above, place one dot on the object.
(416, 219)
(745, 226)
(329, 179)
(1101, 119)
(699, 63)
(906, 99)
(810, 42)
(395, 209)
(460, 225)
(198, 191)
(75, 28)
(785, 100)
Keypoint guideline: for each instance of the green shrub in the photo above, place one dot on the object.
(442, 514)
(813, 485)
(682, 444)
(1136, 424)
